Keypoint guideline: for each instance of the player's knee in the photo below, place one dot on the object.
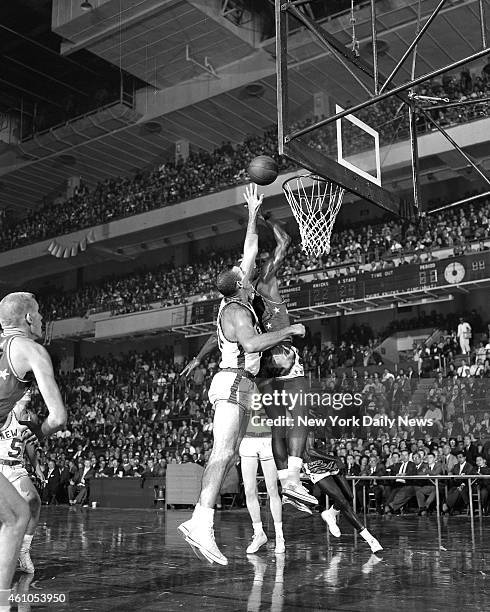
(250, 491)
(34, 504)
(16, 518)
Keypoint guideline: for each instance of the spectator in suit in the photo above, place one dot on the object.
(483, 484)
(376, 468)
(449, 459)
(426, 492)
(78, 489)
(51, 488)
(470, 450)
(102, 471)
(151, 471)
(458, 490)
(115, 469)
(66, 473)
(402, 491)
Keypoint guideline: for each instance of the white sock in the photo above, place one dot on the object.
(294, 469)
(201, 513)
(278, 530)
(258, 529)
(26, 543)
(283, 476)
(365, 535)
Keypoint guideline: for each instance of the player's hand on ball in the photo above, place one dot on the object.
(30, 420)
(192, 365)
(298, 329)
(252, 198)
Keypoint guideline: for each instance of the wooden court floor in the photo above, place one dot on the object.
(132, 560)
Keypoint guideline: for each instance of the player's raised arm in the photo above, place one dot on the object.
(251, 245)
(248, 337)
(283, 240)
(208, 347)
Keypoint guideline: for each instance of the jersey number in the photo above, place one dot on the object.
(16, 447)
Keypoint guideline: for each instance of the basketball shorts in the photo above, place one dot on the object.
(234, 388)
(255, 446)
(318, 470)
(14, 473)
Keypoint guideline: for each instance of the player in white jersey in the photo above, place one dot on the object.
(233, 388)
(17, 440)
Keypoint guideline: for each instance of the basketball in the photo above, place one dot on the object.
(263, 170)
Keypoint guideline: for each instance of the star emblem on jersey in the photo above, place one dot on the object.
(269, 325)
(4, 374)
(276, 310)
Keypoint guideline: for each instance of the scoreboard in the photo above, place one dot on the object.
(407, 277)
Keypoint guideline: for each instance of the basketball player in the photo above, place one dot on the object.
(21, 361)
(284, 365)
(233, 388)
(326, 471)
(257, 446)
(15, 440)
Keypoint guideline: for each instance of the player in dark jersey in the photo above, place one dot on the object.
(327, 472)
(283, 366)
(21, 361)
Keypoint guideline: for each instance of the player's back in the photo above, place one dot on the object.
(233, 355)
(270, 307)
(12, 388)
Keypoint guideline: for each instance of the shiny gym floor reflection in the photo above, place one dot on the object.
(132, 560)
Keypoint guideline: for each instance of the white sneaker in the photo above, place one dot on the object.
(25, 562)
(299, 493)
(202, 537)
(258, 540)
(293, 503)
(374, 545)
(280, 546)
(331, 519)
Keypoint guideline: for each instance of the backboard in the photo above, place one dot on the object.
(349, 101)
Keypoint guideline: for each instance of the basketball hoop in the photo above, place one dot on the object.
(315, 202)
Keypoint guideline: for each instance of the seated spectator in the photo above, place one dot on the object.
(426, 493)
(458, 489)
(401, 492)
(78, 489)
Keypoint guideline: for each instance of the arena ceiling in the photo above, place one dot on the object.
(124, 139)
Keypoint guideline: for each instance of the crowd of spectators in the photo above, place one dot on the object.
(204, 172)
(131, 415)
(363, 248)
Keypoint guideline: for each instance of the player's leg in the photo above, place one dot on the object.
(28, 492)
(293, 390)
(270, 475)
(329, 486)
(249, 474)
(228, 426)
(277, 411)
(14, 517)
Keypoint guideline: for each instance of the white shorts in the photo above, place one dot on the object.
(235, 388)
(255, 446)
(14, 473)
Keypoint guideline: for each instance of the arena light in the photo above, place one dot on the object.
(86, 6)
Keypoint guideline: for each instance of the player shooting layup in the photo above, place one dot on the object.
(233, 388)
(21, 361)
(283, 365)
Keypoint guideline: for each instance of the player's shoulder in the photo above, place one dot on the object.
(27, 345)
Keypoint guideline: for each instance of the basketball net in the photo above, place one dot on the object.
(315, 202)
